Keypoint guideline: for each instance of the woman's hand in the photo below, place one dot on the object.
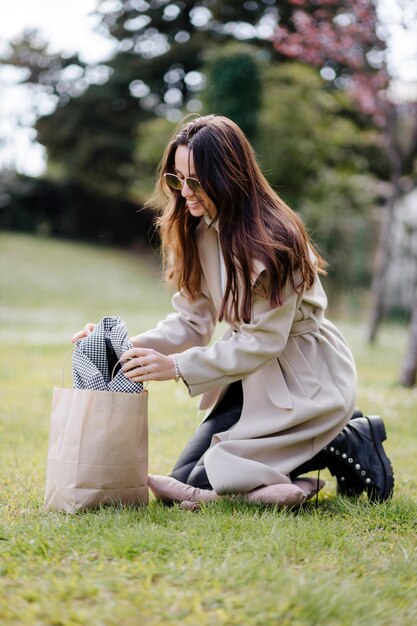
(83, 333)
(143, 364)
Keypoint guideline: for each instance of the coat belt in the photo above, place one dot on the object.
(308, 325)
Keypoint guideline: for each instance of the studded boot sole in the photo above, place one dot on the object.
(356, 457)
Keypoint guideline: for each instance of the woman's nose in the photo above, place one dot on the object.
(186, 191)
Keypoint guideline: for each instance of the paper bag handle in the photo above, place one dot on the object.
(64, 366)
(144, 385)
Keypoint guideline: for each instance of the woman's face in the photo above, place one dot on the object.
(184, 168)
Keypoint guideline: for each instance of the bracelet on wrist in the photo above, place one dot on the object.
(176, 369)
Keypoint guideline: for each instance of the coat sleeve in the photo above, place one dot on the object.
(192, 324)
(246, 351)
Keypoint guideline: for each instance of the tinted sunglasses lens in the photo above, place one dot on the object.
(194, 185)
(173, 181)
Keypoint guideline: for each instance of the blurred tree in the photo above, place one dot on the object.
(408, 374)
(44, 69)
(156, 71)
(65, 209)
(92, 135)
(313, 153)
(151, 140)
(342, 37)
(234, 86)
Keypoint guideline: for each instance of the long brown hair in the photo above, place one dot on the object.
(253, 221)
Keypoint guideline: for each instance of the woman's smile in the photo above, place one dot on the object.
(192, 204)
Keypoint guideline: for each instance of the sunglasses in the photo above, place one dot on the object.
(177, 183)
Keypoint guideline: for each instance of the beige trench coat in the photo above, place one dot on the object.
(298, 375)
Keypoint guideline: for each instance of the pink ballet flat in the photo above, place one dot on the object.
(169, 489)
(282, 495)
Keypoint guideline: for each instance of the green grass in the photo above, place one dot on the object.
(345, 563)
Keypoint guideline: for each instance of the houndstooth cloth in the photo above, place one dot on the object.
(90, 367)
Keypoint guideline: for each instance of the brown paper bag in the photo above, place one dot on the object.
(98, 449)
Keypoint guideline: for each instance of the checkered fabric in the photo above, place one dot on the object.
(90, 368)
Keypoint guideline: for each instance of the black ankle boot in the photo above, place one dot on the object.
(350, 480)
(358, 460)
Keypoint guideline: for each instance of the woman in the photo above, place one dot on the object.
(279, 387)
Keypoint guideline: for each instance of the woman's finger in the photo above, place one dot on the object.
(130, 363)
(137, 353)
(88, 328)
(79, 335)
(139, 374)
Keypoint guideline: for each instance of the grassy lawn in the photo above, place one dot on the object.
(344, 563)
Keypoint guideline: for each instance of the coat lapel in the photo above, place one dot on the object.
(208, 246)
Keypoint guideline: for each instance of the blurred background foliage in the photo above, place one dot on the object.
(321, 150)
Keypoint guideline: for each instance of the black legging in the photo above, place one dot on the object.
(190, 468)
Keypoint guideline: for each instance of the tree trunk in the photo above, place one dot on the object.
(382, 259)
(383, 254)
(409, 370)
